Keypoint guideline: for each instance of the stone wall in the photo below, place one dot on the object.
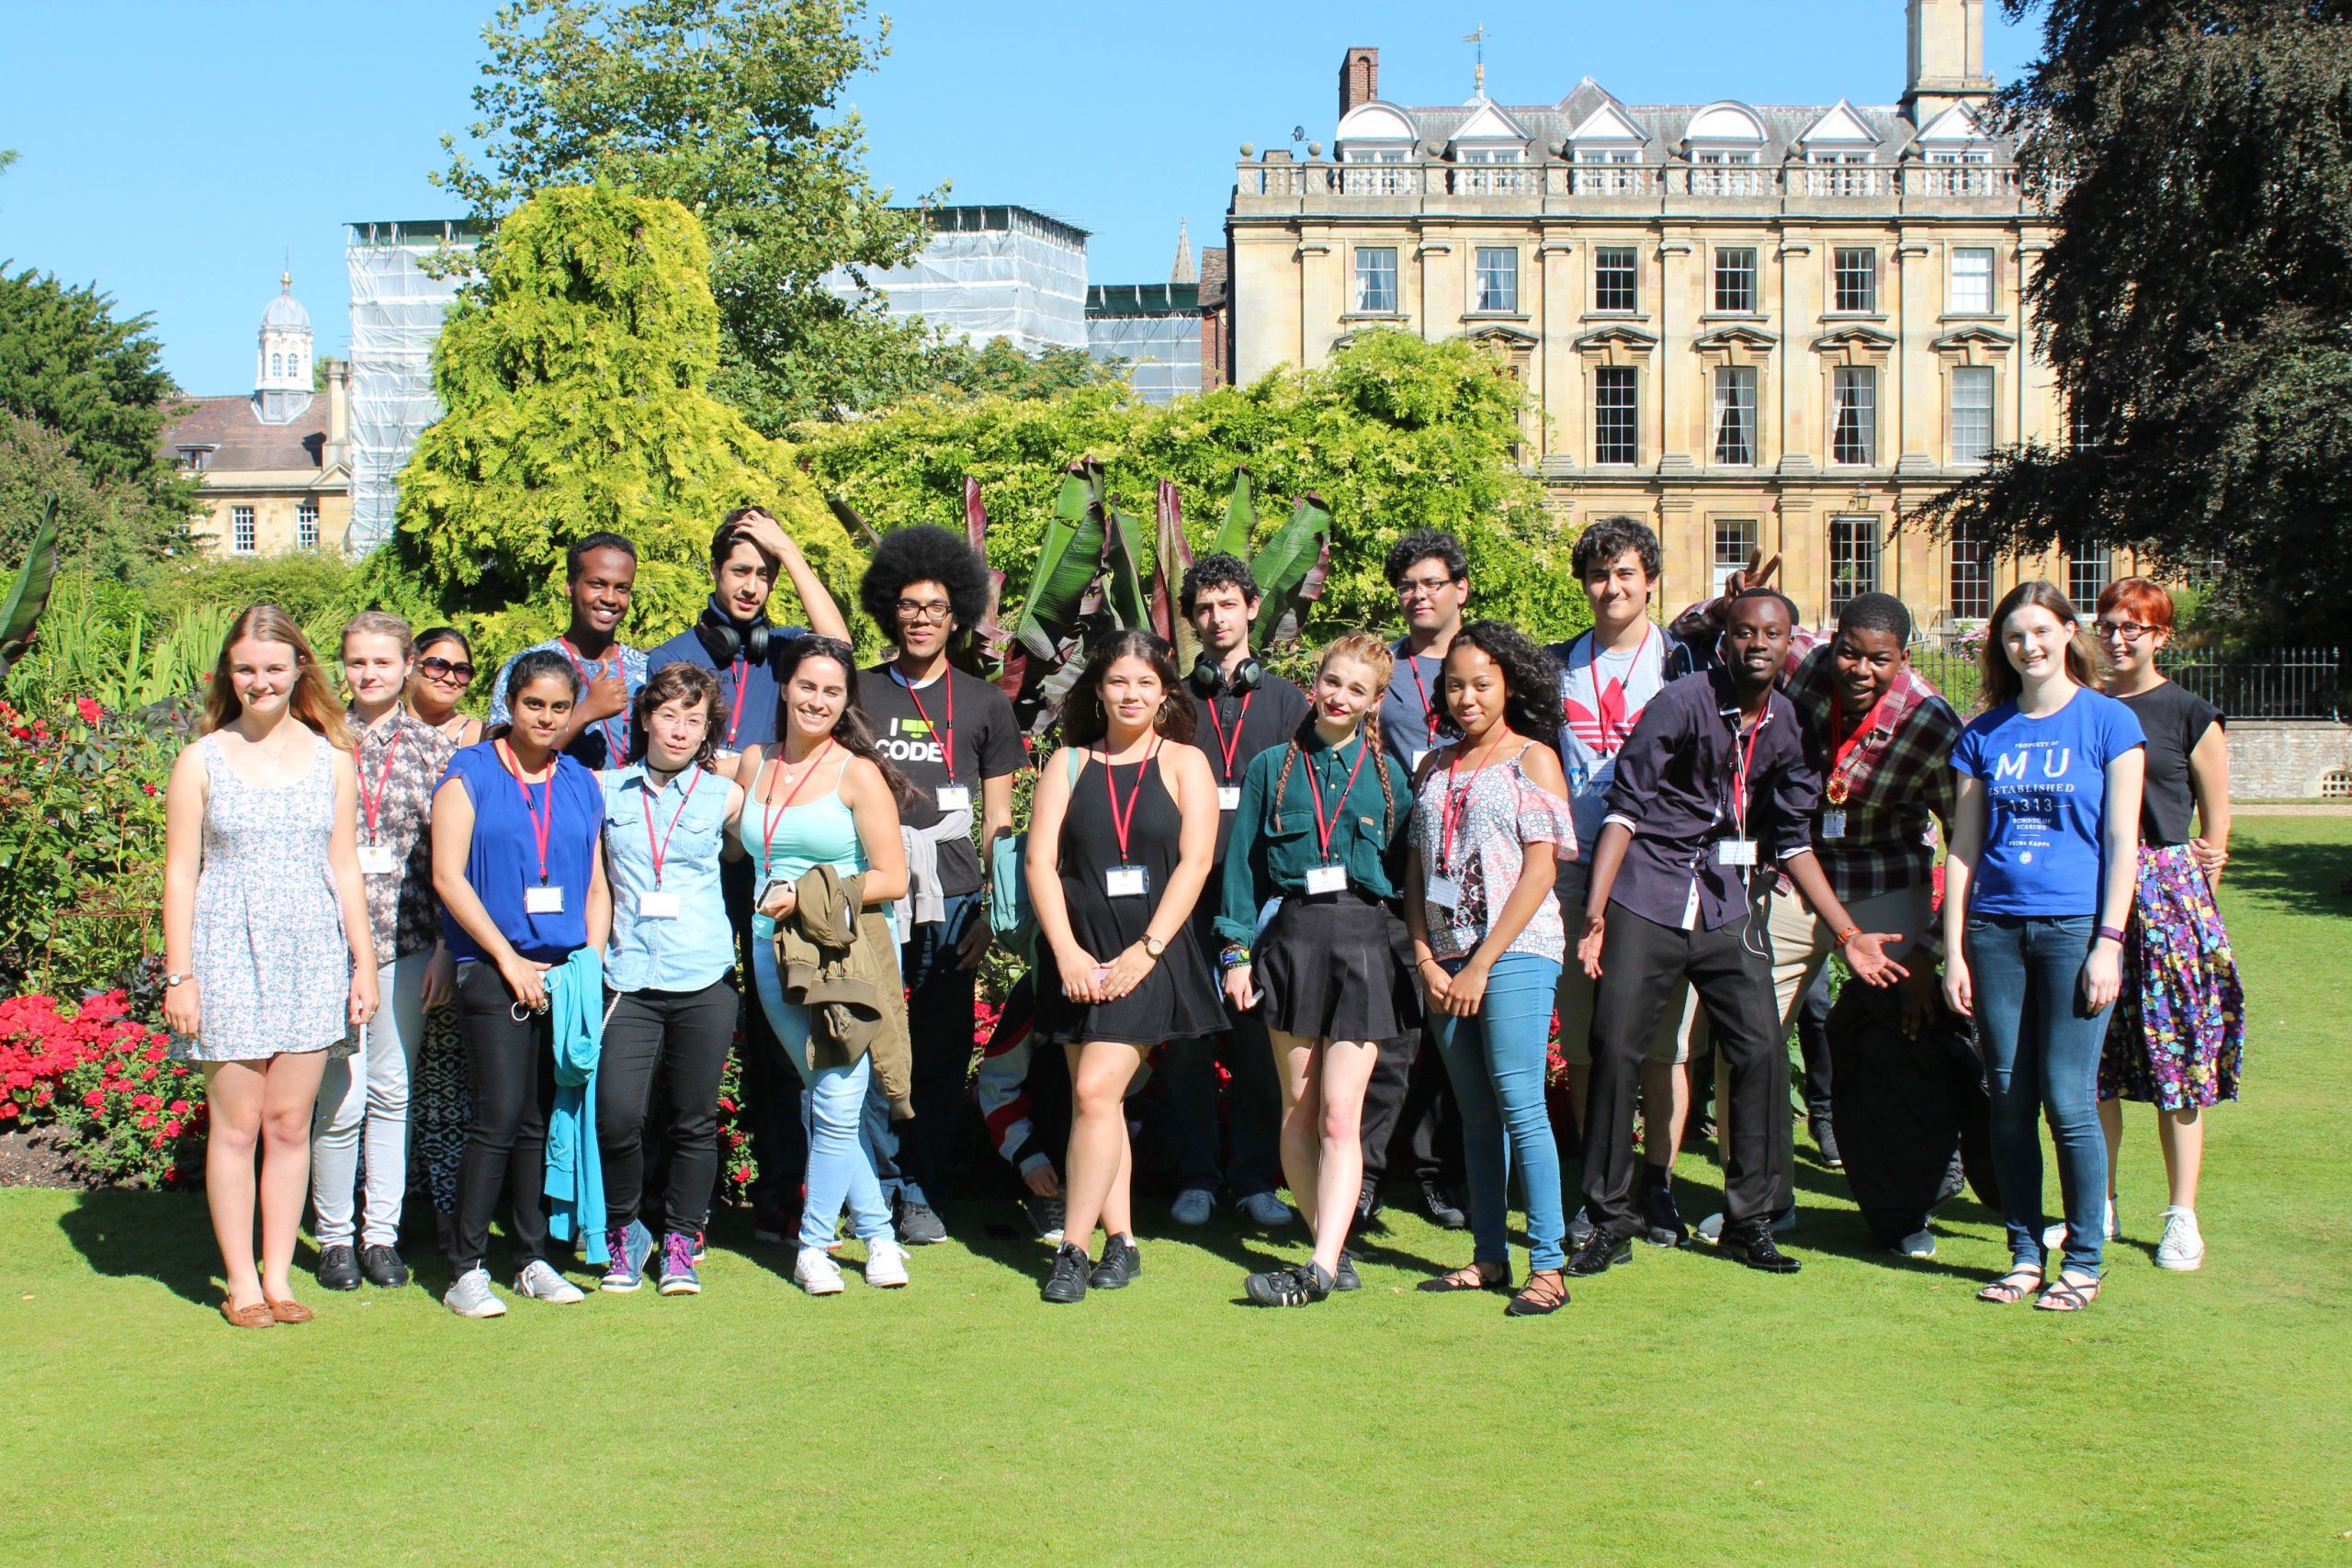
(2289, 759)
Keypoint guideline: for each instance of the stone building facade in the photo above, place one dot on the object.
(1752, 326)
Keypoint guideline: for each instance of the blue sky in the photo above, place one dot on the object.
(178, 157)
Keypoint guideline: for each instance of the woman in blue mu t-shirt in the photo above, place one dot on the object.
(2036, 891)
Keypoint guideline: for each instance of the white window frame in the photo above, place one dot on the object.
(1969, 416)
(1868, 273)
(1853, 424)
(1968, 575)
(1735, 415)
(1854, 560)
(306, 524)
(1970, 302)
(1613, 416)
(1632, 271)
(1840, 173)
(1365, 299)
(1495, 279)
(1753, 272)
(244, 538)
(1608, 171)
(2090, 567)
(1375, 171)
(1734, 542)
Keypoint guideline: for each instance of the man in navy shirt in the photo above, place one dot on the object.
(1712, 786)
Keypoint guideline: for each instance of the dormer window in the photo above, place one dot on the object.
(1373, 141)
(1725, 142)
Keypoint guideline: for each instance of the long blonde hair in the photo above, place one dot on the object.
(311, 700)
(1376, 658)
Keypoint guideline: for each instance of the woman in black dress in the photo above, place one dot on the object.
(1122, 837)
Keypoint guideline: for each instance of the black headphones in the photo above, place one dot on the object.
(1208, 677)
(723, 642)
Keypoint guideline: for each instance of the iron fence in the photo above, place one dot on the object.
(2292, 682)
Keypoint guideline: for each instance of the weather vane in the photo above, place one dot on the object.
(1479, 38)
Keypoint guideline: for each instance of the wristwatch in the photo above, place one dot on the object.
(171, 980)
(1153, 947)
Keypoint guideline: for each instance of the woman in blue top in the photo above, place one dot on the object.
(2036, 893)
(669, 820)
(822, 794)
(514, 862)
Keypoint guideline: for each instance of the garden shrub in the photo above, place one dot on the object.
(129, 1115)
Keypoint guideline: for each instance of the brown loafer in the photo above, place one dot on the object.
(287, 1312)
(257, 1315)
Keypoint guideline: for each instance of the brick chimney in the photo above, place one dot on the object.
(1359, 78)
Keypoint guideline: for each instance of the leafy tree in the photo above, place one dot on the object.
(998, 367)
(114, 528)
(729, 106)
(2197, 299)
(576, 385)
(1394, 434)
(68, 362)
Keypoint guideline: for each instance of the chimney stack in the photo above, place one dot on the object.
(1946, 56)
(1359, 78)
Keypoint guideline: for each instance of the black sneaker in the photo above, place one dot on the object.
(1045, 1216)
(1068, 1282)
(383, 1267)
(1368, 1205)
(1120, 1262)
(1347, 1279)
(1750, 1241)
(920, 1224)
(1825, 1138)
(1301, 1284)
(1599, 1253)
(338, 1267)
(1661, 1219)
(1439, 1205)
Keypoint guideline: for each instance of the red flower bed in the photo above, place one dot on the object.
(128, 1113)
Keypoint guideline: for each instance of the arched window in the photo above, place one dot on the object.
(277, 364)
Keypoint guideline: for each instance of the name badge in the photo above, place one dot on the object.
(1228, 797)
(1126, 881)
(1443, 892)
(1415, 765)
(1326, 879)
(543, 899)
(723, 757)
(376, 860)
(953, 797)
(657, 905)
(1833, 822)
(1735, 851)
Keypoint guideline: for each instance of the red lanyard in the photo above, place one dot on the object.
(1315, 792)
(1602, 743)
(541, 825)
(1457, 804)
(1225, 748)
(775, 811)
(1120, 824)
(947, 733)
(372, 808)
(694, 777)
(1739, 780)
(615, 749)
(735, 717)
(1428, 714)
(1839, 785)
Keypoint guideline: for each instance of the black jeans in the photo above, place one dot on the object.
(1813, 1042)
(771, 1084)
(510, 1066)
(939, 1030)
(1643, 967)
(679, 1039)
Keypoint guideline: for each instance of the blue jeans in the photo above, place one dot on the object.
(2041, 1053)
(841, 1162)
(1495, 1060)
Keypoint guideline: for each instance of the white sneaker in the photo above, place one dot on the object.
(2053, 1238)
(1919, 1244)
(539, 1282)
(816, 1272)
(1711, 1229)
(2183, 1247)
(469, 1296)
(885, 1265)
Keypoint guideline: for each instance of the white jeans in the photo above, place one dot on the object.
(369, 1089)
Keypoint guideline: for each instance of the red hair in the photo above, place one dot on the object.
(2145, 602)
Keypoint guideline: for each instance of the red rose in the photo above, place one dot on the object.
(87, 709)
(146, 1072)
(179, 1108)
(147, 1121)
(96, 1099)
(171, 1129)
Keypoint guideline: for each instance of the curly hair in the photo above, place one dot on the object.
(1084, 719)
(925, 553)
(853, 731)
(667, 684)
(1215, 570)
(1427, 544)
(1531, 681)
(1608, 537)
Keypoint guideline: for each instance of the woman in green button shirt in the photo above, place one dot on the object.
(1322, 827)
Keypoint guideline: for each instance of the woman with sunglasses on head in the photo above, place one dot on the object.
(443, 671)
(1122, 835)
(365, 1097)
(2177, 1035)
(2037, 891)
(821, 811)
(515, 824)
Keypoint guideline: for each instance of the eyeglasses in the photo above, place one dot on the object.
(1429, 586)
(2129, 631)
(435, 668)
(920, 610)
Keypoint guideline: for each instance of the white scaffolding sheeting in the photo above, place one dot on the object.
(986, 273)
(1162, 352)
(397, 309)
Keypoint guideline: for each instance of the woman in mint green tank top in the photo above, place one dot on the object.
(822, 795)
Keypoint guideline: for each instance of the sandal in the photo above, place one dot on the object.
(257, 1315)
(2012, 1287)
(2069, 1295)
(287, 1311)
(1546, 1291)
(1470, 1276)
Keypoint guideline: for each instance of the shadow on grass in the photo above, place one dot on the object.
(164, 1236)
(2302, 878)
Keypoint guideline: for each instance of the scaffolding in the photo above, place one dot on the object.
(397, 308)
(1153, 329)
(988, 272)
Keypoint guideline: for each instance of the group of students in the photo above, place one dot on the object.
(1661, 834)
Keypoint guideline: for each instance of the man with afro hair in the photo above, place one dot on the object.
(955, 738)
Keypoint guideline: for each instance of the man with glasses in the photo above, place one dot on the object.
(955, 738)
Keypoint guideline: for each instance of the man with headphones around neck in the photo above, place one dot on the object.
(1239, 709)
(734, 639)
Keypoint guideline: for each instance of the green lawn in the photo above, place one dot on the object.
(1682, 1410)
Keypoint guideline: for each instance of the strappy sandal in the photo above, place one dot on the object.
(257, 1315)
(1470, 1276)
(1546, 1291)
(287, 1311)
(2012, 1287)
(2068, 1295)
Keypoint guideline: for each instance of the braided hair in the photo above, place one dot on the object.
(1374, 655)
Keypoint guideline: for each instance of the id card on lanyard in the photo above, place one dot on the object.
(1740, 848)
(1228, 793)
(951, 795)
(727, 750)
(1126, 879)
(544, 897)
(376, 858)
(1443, 891)
(655, 903)
(1429, 710)
(1330, 877)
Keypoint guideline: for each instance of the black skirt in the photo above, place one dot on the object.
(1327, 969)
(1175, 1000)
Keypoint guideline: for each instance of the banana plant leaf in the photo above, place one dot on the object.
(1171, 556)
(1291, 571)
(1240, 520)
(848, 517)
(28, 594)
(993, 642)
(1067, 603)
